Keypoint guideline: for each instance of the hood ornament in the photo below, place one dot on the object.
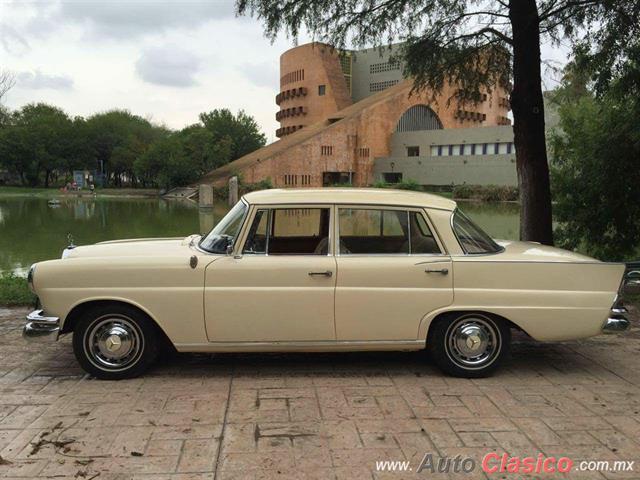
(71, 245)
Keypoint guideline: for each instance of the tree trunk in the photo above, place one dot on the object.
(528, 126)
(46, 178)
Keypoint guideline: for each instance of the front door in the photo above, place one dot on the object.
(392, 271)
(279, 285)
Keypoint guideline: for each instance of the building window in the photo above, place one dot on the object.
(364, 152)
(337, 178)
(326, 150)
(379, 86)
(322, 89)
(460, 149)
(467, 149)
(413, 151)
(509, 147)
(473, 149)
(392, 177)
(439, 150)
(496, 148)
(450, 149)
(291, 180)
(485, 146)
(384, 67)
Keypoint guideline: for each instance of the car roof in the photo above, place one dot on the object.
(366, 196)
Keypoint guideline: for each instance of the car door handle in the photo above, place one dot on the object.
(326, 273)
(442, 271)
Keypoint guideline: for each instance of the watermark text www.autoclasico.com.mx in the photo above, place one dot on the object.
(496, 463)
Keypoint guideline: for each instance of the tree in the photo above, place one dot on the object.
(7, 82)
(116, 139)
(37, 141)
(241, 131)
(167, 164)
(596, 174)
(596, 151)
(472, 44)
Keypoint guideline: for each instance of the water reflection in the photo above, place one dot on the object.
(32, 231)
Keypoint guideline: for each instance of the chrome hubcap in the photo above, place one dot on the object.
(113, 342)
(473, 342)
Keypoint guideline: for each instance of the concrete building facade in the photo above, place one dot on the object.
(475, 156)
(341, 115)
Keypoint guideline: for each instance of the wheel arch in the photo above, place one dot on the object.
(428, 322)
(76, 314)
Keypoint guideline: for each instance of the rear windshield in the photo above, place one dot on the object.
(472, 238)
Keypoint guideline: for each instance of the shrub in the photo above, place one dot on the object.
(403, 185)
(486, 193)
(15, 291)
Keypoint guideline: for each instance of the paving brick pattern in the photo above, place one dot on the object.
(319, 416)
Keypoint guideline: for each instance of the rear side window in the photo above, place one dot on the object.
(376, 232)
(471, 237)
(289, 231)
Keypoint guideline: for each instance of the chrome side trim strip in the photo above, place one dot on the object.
(304, 345)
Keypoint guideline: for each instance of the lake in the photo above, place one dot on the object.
(32, 231)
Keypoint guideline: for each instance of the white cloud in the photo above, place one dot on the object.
(261, 74)
(170, 66)
(38, 80)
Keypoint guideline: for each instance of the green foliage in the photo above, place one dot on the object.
(41, 144)
(115, 139)
(35, 141)
(239, 132)
(595, 176)
(403, 185)
(486, 193)
(15, 291)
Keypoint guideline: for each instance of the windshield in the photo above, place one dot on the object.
(226, 231)
(472, 238)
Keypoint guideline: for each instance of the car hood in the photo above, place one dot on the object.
(136, 247)
(536, 252)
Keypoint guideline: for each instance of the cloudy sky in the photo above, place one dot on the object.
(167, 60)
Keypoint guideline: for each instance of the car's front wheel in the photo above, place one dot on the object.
(114, 342)
(469, 345)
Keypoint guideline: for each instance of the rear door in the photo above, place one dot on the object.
(392, 271)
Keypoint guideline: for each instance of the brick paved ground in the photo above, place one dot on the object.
(310, 416)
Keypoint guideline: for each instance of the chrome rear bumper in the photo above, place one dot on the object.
(40, 328)
(617, 321)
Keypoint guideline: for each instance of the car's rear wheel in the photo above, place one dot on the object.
(469, 345)
(114, 342)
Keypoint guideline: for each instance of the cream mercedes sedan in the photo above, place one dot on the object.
(322, 270)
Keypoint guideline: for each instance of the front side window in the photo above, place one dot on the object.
(226, 231)
(472, 238)
(373, 231)
(289, 231)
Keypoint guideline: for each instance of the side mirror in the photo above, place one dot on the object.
(230, 249)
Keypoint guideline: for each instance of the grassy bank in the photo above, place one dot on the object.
(14, 291)
(56, 192)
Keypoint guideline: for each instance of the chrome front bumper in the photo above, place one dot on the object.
(40, 328)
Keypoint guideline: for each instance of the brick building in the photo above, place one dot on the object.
(340, 113)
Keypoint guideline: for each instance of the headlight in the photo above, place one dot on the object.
(30, 275)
